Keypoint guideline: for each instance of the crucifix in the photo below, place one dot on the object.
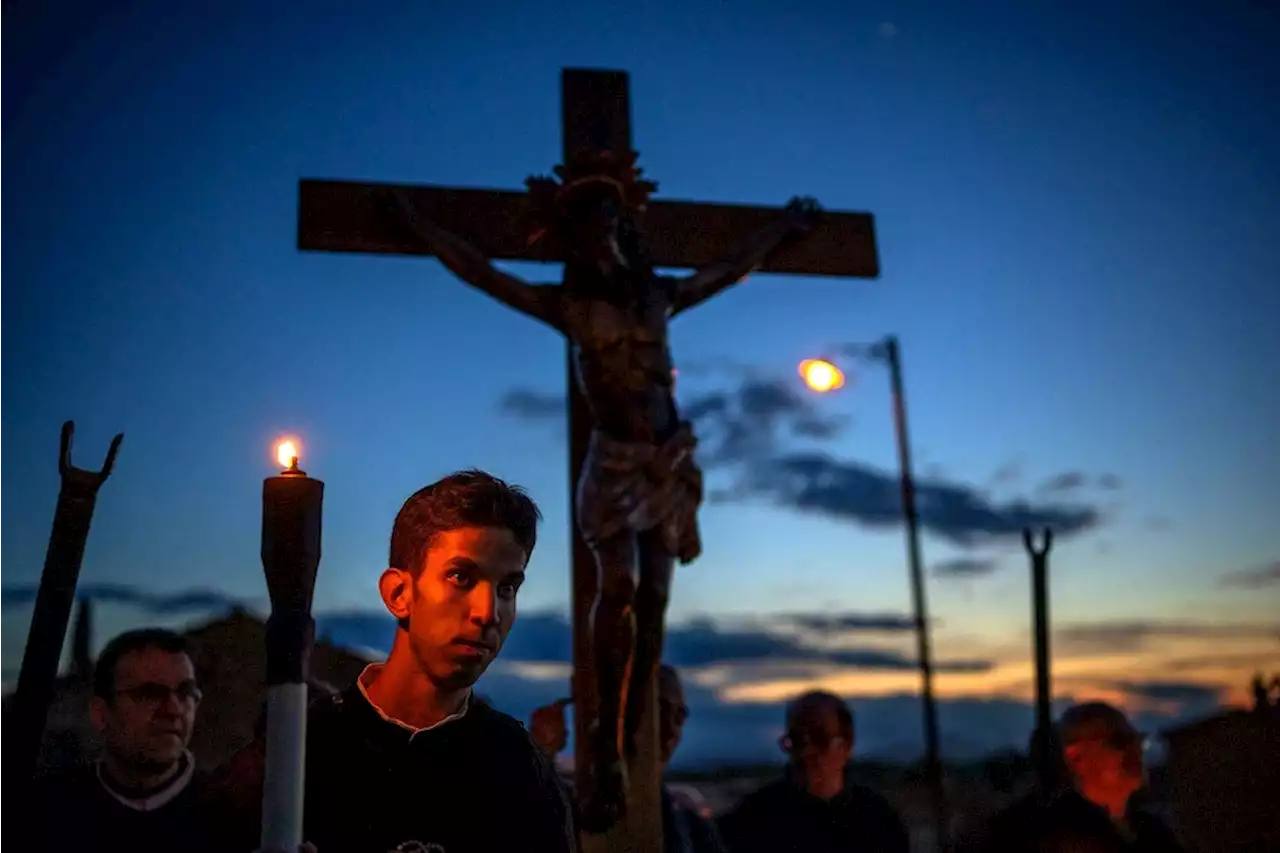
(637, 488)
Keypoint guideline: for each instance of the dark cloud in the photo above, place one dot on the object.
(156, 604)
(1131, 635)
(1007, 474)
(1255, 578)
(548, 638)
(1067, 481)
(856, 492)
(1261, 659)
(965, 567)
(1109, 482)
(1184, 692)
(1157, 523)
(745, 438)
(525, 403)
(849, 622)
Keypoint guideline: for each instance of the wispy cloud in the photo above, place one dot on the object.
(1132, 635)
(965, 567)
(156, 604)
(1253, 578)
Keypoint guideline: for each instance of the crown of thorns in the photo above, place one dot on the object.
(548, 197)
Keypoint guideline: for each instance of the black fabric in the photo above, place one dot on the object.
(782, 817)
(472, 785)
(1066, 821)
(76, 813)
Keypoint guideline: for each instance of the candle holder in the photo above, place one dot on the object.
(292, 507)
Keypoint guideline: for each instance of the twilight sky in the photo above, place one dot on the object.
(1077, 206)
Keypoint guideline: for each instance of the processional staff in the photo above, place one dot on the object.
(1045, 753)
(71, 520)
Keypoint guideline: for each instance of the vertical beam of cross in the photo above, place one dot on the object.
(596, 116)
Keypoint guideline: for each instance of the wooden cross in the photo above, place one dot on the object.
(344, 216)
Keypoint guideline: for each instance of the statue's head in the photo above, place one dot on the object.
(589, 210)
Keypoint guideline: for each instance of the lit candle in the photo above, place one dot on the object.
(292, 506)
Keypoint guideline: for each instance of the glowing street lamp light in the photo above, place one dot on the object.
(821, 375)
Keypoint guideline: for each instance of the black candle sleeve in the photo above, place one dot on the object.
(292, 506)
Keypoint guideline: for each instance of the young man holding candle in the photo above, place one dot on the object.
(406, 759)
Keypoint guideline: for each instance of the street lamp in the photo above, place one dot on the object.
(822, 375)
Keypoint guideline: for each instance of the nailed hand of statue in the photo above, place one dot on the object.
(802, 213)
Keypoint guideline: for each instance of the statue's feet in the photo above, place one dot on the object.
(605, 803)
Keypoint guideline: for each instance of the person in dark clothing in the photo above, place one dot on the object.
(144, 794)
(683, 829)
(815, 809)
(405, 760)
(1092, 809)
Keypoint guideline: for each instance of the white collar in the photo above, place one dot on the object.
(165, 794)
(367, 677)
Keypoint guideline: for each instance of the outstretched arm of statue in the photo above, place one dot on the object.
(798, 219)
(467, 263)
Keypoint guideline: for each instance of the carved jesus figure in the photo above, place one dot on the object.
(640, 489)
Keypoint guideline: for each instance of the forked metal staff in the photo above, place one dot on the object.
(54, 600)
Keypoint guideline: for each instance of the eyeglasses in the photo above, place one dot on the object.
(154, 693)
(797, 740)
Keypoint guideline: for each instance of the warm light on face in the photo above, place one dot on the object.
(821, 376)
(287, 452)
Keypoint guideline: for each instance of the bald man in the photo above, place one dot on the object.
(1092, 808)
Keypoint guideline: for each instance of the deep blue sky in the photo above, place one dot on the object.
(1079, 221)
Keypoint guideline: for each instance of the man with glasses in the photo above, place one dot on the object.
(683, 829)
(143, 793)
(815, 808)
(1092, 808)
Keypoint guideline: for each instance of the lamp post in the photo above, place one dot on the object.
(292, 506)
(823, 375)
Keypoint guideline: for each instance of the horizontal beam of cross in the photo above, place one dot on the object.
(351, 216)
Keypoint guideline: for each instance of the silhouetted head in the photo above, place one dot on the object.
(145, 698)
(1103, 753)
(672, 712)
(819, 740)
(459, 549)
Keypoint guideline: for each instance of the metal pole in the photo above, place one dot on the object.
(1045, 753)
(933, 762)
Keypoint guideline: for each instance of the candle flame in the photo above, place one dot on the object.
(821, 375)
(287, 452)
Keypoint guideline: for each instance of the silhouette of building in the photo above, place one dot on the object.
(1223, 781)
(230, 665)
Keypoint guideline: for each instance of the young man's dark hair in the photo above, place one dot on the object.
(466, 499)
(104, 671)
(407, 758)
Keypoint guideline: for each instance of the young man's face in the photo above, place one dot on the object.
(147, 722)
(463, 603)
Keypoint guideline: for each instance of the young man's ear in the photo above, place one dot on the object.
(396, 587)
